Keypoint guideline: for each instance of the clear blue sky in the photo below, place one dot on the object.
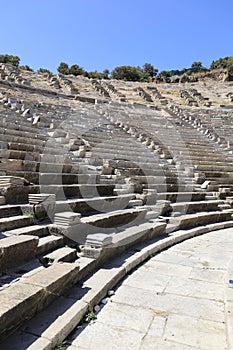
(99, 34)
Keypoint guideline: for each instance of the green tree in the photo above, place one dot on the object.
(26, 67)
(128, 73)
(44, 70)
(196, 64)
(95, 75)
(10, 59)
(149, 70)
(164, 73)
(106, 73)
(197, 67)
(75, 69)
(225, 62)
(63, 68)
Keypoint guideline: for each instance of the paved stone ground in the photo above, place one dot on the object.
(174, 301)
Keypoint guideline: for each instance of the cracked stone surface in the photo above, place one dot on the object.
(176, 300)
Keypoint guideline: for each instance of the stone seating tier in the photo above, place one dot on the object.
(70, 153)
(20, 194)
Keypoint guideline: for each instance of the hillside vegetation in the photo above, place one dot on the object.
(221, 69)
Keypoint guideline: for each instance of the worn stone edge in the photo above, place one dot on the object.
(176, 237)
(228, 303)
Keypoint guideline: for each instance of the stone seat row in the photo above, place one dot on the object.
(139, 211)
(57, 277)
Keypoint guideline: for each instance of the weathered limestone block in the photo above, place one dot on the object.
(213, 187)
(135, 203)
(199, 177)
(64, 254)
(67, 218)
(19, 302)
(164, 207)
(15, 250)
(43, 205)
(25, 298)
(2, 200)
(43, 211)
(3, 145)
(27, 112)
(95, 243)
(210, 186)
(151, 214)
(4, 153)
(199, 219)
(75, 233)
(91, 252)
(150, 196)
(107, 170)
(11, 164)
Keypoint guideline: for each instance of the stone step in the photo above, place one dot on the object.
(64, 254)
(140, 170)
(40, 230)
(208, 168)
(34, 166)
(17, 194)
(20, 194)
(112, 153)
(86, 206)
(220, 173)
(56, 178)
(15, 222)
(181, 196)
(203, 163)
(16, 250)
(22, 131)
(152, 160)
(14, 154)
(126, 145)
(2, 200)
(9, 210)
(15, 146)
(110, 222)
(198, 206)
(229, 200)
(127, 156)
(161, 188)
(224, 206)
(82, 295)
(24, 125)
(21, 139)
(208, 159)
(31, 155)
(55, 150)
(121, 140)
(210, 197)
(198, 219)
(77, 190)
(45, 155)
(49, 243)
(222, 180)
(115, 218)
(145, 165)
(23, 299)
(157, 179)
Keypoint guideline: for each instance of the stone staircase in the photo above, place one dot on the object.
(132, 173)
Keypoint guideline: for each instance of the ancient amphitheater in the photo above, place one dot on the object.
(97, 178)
